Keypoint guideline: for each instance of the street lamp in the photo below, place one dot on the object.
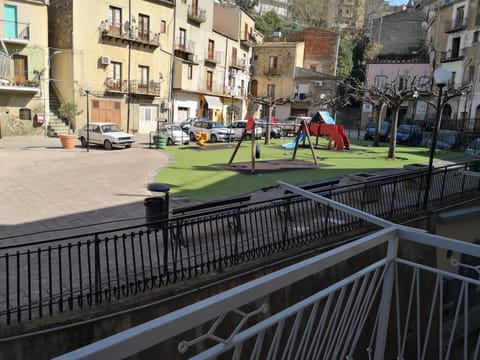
(441, 76)
(87, 89)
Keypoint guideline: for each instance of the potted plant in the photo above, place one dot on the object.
(68, 111)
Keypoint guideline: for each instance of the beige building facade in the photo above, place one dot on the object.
(23, 67)
(120, 53)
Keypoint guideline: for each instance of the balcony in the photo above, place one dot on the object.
(14, 32)
(239, 64)
(249, 40)
(21, 86)
(117, 34)
(215, 87)
(149, 88)
(272, 70)
(213, 57)
(390, 299)
(183, 48)
(448, 56)
(196, 14)
(456, 25)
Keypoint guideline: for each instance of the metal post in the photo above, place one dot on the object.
(87, 89)
(129, 89)
(433, 146)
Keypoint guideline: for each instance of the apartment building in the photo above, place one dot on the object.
(212, 50)
(23, 67)
(403, 58)
(346, 16)
(119, 54)
(241, 38)
(455, 44)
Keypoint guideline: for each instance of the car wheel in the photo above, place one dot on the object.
(366, 137)
(169, 141)
(107, 145)
(83, 142)
(186, 143)
(248, 137)
(128, 146)
(192, 136)
(213, 138)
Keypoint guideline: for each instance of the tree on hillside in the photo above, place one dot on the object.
(345, 58)
(309, 13)
(270, 22)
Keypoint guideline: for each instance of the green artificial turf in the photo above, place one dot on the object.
(194, 174)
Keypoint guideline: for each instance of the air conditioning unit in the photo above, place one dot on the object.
(318, 83)
(105, 60)
(166, 105)
(232, 72)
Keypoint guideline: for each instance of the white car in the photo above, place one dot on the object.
(175, 135)
(216, 131)
(109, 135)
(239, 126)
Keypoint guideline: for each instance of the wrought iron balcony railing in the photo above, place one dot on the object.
(116, 33)
(13, 31)
(452, 55)
(136, 87)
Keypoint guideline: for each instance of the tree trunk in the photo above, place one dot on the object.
(269, 126)
(393, 134)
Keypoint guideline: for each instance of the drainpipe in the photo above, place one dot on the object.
(172, 66)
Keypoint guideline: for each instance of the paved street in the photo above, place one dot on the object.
(45, 187)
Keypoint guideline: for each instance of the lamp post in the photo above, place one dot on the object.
(87, 89)
(442, 76)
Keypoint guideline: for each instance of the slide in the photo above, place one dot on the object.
(322, 123)
(291, 144)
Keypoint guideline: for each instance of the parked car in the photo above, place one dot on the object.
(109, 135)
(239, 126)
(216, 131)
(175, 135)
(291, 123)
(185, 124)
(384, 133)
(409, 134)
(446, 139)
(275, 131)
(473, 148)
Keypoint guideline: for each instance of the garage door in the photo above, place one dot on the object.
(106, 111)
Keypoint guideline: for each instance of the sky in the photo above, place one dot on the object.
(397, 2)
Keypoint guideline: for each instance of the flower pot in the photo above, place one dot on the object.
(68, 140)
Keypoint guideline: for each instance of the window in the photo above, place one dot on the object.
(455, 48)
(209, 80)
(234, 56)
(402, 82)
(273, 62)
(182, 40)
(163, 26)
(143, 27)
(476, 37)
(380, 81)
(115, 20)
(211, 49)
(142, 76)
(271, 91)
(25, 114)
(451, 83)
(460, 16)
(115, 75)
(190, 72)
(470, 73)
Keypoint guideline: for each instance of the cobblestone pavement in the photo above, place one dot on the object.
(46, 188)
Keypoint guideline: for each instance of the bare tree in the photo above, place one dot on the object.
(270, 103)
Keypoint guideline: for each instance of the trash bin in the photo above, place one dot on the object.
(160, 141)
(156, 207)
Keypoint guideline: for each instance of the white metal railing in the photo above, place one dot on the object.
(392, 298)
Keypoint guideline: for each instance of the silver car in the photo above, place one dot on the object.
(109, 135)
(175, 135)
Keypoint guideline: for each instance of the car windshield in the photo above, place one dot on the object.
(110, 128)
(215, 124)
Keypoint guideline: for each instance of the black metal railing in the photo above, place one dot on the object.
(53, 276)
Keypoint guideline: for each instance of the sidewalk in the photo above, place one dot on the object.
(46, 188)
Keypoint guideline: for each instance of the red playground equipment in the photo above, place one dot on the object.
(322, 124)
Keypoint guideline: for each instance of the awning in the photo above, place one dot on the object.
(213, 102)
